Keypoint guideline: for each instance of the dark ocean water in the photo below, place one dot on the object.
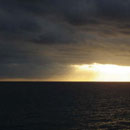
(64, 106)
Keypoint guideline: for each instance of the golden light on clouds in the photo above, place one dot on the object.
(101, 72)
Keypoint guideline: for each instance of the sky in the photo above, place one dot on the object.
(44, 39)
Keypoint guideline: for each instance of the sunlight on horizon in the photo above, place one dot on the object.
(102, 72)
(88, 73)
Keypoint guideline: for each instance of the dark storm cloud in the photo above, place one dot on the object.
(45, 21)
(48, 35)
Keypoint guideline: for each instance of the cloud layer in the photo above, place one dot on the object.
(40, 39)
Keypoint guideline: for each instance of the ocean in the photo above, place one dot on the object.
(64, 106)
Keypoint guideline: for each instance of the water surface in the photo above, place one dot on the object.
(64, 106)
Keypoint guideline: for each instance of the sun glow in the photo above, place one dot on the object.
(103, 72)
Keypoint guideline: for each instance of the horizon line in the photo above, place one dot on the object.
(65, 81)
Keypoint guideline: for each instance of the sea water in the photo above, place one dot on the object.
(64, 106)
